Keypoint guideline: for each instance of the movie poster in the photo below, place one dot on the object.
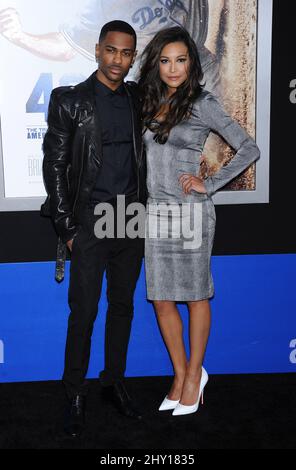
(47, 44)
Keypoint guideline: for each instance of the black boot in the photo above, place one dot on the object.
(75, 416)
(118, 395)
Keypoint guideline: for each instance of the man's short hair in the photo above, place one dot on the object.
(120, 26)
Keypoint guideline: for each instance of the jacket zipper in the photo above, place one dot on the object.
(135, 150)
(78, 186)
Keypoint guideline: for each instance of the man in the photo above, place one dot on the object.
(92, 154)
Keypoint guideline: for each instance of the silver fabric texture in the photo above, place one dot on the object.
(175, 271)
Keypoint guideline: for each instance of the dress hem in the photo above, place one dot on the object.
(192, 298)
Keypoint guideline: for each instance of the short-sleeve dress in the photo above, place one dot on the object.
(180, 228)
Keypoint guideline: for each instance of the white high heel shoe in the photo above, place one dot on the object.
(187, 409)
(168, 404)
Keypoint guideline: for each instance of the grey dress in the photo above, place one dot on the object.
(180, 228)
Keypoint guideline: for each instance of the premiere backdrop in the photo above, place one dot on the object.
(55, 46)
(254, 262)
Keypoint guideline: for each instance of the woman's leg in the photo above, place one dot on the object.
(200, 322)
(171, 327)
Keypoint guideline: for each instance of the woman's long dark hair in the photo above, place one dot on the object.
(153, 90)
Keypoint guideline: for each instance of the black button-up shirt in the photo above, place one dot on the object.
(117, 174)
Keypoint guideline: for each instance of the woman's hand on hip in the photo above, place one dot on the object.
(189, 182)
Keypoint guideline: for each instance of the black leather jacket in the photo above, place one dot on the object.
(72, 150)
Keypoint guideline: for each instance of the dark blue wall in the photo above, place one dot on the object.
(253, 321)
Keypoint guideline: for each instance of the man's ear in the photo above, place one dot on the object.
(97, 51)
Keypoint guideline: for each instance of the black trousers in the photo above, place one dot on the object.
(121, 258)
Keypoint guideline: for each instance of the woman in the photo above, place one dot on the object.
(178, 115)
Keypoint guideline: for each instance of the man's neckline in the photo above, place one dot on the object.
(107, 90)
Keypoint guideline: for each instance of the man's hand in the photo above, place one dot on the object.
(69, 244)
(190, 182)
(10, 25)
